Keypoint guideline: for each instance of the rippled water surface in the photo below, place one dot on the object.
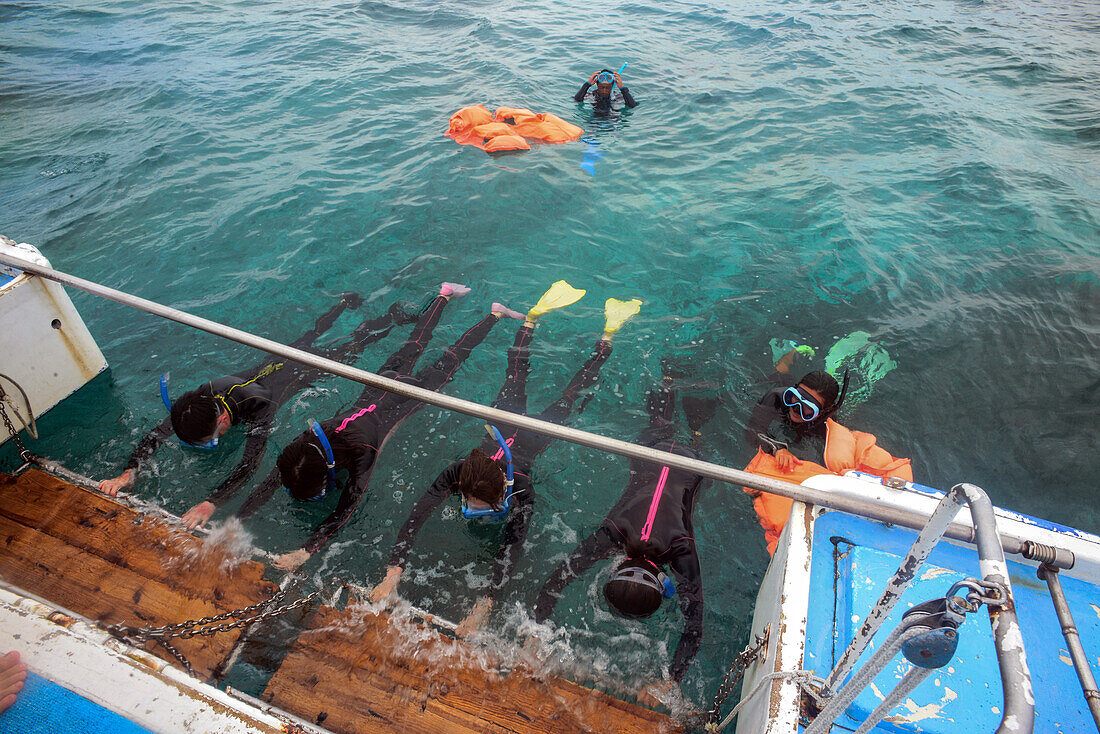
(926, 174)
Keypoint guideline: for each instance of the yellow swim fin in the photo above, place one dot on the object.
(561, 294)
(618, 312)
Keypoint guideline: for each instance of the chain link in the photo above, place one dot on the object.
(735, 672)
(245, 617)
(24, 454)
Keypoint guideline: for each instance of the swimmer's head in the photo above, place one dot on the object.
(605, 80)
(636, 588)
(481, 479)
(302, 468)
(197, 418)
(819, 391)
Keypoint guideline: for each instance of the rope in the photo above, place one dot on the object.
(804, 679)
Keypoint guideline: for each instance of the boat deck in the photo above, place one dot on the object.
(349, 671)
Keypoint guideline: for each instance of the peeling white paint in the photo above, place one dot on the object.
(1011, 724)
(1095, 609)
(935, 573)
(1065, 658)
(877, 692)
(920, 713)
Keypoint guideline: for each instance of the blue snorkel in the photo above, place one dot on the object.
(330, 460)
(490, 514)
(211, 444)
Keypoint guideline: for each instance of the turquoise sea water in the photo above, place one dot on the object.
(926, 174)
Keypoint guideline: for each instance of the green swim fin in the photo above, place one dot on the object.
(561, 294)
(618, 312)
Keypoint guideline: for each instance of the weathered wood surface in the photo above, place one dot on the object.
(360, 672)
(86, 552)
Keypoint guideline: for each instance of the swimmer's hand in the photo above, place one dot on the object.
(388, 585)
(292, 561)
(352, 299)
(592, 79)
(786, 461)
(197, 516)
(664, 693)
(476, 619)
(13, 672)
(618, 80)
(110, 487)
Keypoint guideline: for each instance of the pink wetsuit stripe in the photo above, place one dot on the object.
(358, 415)
(500, 452)
(648, 527)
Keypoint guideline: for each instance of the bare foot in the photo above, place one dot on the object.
(12, 674)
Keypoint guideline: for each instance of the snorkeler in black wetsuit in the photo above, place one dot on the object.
(202, 416)
(353, 440)
(605, 81)
(652, 524)
(789, 420)
(480, 478)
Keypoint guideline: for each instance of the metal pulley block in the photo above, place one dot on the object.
(936, 645)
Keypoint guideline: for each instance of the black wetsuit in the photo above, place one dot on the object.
(253, 396)
(671, 540)
(603, 104)
(770, 427)
(525, 447)
(365, 427)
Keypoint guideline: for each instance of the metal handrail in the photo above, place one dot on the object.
(894, 515)
(1019, 703)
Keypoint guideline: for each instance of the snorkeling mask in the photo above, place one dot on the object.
(808, 406)
(605, 77)
(211, 444)
(330, 462)
(490, 514)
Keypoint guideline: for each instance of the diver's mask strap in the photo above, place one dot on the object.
(655, 579)
(164, 392)
(326, 452)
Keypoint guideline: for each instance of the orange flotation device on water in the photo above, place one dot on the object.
(845, 450)
(509, 129)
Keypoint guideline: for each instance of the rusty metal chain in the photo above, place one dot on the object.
(735, 673)
(24, 453)
(244, 617)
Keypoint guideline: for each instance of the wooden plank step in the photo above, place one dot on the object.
(358, 672)
(86, 552)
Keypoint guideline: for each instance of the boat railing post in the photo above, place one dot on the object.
(1073, 640)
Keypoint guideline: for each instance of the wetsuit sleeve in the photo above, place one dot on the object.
(260, 495)
(442, 488)
(324, 323)
(579, 96)
(254, 446)
(756, 432)
(354, 490)
(628, 100)
(440, 373)
(150, 443)
(689, 590)
(593, 548)
(513, 393)
(515, 535)
(403, 360)
(583, 380)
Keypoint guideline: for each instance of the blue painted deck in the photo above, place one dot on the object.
(43, 707)
(861, 555)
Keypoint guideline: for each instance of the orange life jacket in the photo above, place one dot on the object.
(476, 126)
(845, 450)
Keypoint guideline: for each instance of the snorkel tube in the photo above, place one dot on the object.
(840, 399)
(330, 461)
(211, 444)
(509, 482)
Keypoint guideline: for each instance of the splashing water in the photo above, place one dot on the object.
(225, 548)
